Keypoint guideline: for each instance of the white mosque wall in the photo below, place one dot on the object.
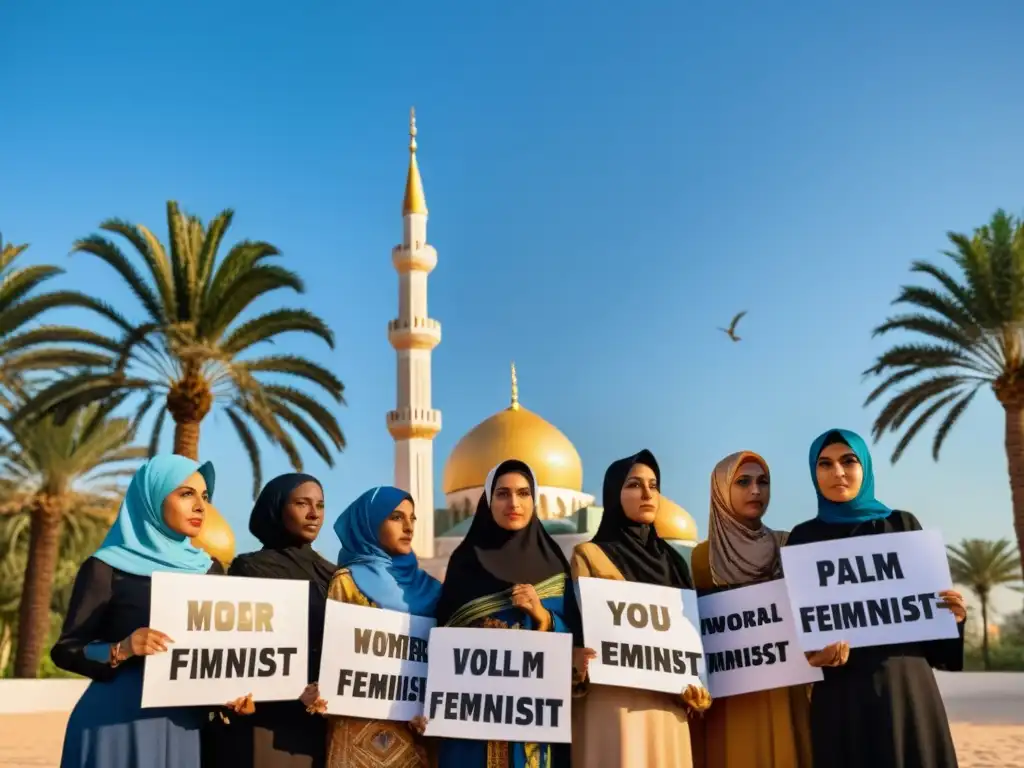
(553, 502)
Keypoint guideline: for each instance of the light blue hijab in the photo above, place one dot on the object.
(395, 583)
(140, 542)
(864, 506)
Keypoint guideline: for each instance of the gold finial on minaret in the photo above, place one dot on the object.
(515, 389)
(415, 201)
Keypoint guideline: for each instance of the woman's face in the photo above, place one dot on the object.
(512, 502)
(395, 533)
(185, 507)
(303, 513)
(750, 492)
(839, 473)
(640, 496)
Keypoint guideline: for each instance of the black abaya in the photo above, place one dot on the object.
(882, 709)
(280, 734)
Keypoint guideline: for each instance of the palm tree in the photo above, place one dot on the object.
(192, 351)
(23, 350)
(972, 324)
(80, 538)
(981, 566)
(53, 470)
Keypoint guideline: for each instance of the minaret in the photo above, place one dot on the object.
(413, 424)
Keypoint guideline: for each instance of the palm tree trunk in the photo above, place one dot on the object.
(186, 439)
(984, 633)
(5, 646)
(34, 609)
(1015, 460)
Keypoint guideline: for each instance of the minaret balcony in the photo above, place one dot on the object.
(418, 257)
(414, 333)
(410, 423)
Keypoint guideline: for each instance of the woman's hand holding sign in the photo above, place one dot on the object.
(524, 597)
(311, 700)
(834, 655)
(243, 705)
(144, 642)
(696, 698)
(581, 663)
(954, 601)
(418, 725)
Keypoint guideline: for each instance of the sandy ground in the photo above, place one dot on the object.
(34, 741)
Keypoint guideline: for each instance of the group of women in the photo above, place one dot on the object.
(876, 707)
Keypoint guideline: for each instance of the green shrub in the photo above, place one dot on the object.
(1003, 657)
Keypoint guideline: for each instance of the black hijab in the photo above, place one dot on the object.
(636, 549)
(491, 560)
(283, 556)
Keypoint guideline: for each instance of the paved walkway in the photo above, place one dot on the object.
(34, 741)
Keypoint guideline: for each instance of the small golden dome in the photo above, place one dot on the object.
(675, 523)
(216, 537)
(514, 433)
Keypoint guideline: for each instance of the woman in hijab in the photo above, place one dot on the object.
(286, 520)
(877, 706)
(106, 631)
(507, 573)
(615, 726)
(378, 570)
(764, 729)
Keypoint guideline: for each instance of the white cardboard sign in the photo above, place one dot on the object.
(500, 685)
(869, 590)
(642, 635)
(374, 662)
(232, 636)
(750, 641)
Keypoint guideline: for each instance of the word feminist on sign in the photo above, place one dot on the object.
(374, 662)
(750, 641)
(232, 636)
(641, 634)
(869, 590)
(507, 685)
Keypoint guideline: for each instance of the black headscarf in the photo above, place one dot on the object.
(283, 556)
(636, 549)
(491, 559)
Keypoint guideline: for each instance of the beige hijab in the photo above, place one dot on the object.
(738, 554)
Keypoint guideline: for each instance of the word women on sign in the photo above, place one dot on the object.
(374, 662)
(641, 635)
(232, 636)
(496, 685)
(750, 641)
(869, 590)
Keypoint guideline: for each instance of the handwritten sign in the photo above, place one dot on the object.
(374, 662)
(500, 685)
(750, 641)
(232, 636)
(869, 590)
(641, 634)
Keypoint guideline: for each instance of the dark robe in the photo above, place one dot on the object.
(882, 709)
(108, 728)
(280, 734)
(106, 606)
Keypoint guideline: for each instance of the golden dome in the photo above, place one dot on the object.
(514, 433)
(216, 537)
(675, 523)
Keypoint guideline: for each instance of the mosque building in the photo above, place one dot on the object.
(564, 508)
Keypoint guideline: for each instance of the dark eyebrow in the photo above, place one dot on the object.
(641, 479)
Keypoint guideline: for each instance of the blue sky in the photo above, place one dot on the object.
(608, 182)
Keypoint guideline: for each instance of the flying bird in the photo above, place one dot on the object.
(731, 330)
